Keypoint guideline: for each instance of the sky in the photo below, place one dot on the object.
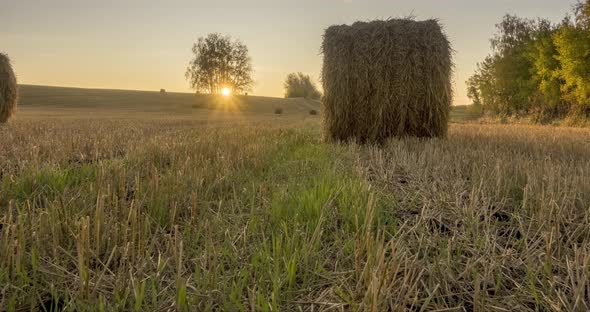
(146, 44)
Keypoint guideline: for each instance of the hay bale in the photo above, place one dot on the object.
(386, 79)
(8, 89)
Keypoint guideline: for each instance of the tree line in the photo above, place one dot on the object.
(536, 69)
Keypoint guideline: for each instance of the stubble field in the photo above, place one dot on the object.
(257, 214)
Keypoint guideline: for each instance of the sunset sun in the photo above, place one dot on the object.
(226, 92)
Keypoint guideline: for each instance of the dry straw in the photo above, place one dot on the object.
(8, 89)
(386, 79)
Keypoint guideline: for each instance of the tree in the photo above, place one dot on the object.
(219, 63)
(300, 85)
(582, 14)
(504, 83)
(481, 87)
(572, 42)
(546, 75)
(537, 68)
(513, 32)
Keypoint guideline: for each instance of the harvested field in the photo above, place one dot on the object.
(160, 215)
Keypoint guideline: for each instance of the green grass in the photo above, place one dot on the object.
(276, 191)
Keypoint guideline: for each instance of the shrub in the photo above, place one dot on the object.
(298, 85)
(386, 79)
(313, 112)
(278, 111)
(475, 111)
(8, 89)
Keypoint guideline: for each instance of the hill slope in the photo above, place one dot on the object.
(59, 98)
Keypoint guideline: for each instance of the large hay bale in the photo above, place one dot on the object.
(8, 89)
(386, 79)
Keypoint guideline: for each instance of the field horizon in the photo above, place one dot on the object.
(56, 101)
(67, 102)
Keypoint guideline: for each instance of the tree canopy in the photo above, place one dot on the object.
(300, 85)
(218, 63)
(536, 68)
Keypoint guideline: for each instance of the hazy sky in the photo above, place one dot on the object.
(146, 45)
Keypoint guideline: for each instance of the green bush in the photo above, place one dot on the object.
(474, 111)
(298, 85)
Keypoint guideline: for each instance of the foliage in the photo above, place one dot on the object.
(572, 44)
(536, 69)
(219, 63)
(504, 82)
(548, 101)
(298, 85)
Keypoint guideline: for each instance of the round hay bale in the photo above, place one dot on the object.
(386, 79)
(8, 89)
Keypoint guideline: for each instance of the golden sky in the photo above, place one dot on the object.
(146, 44)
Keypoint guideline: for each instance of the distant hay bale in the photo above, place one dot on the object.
(8, 89)
(386, 79)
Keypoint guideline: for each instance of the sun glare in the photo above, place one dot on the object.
(226, 92)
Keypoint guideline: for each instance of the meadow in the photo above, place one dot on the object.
(205, 205)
